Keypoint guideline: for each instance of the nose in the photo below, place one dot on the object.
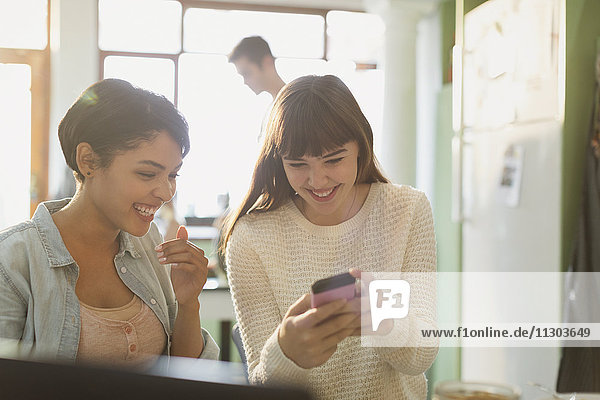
(317, 178)
(165, 190)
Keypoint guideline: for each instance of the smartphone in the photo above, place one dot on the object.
(329, 289)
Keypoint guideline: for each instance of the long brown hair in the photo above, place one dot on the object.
(311, 115)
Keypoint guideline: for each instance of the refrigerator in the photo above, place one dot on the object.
(507, 177)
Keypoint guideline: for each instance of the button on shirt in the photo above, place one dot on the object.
(38, 305)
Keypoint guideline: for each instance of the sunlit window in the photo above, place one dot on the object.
(23, 24)
(15, 152)
(155, 74)
(151, 26)
(224, 115)
(355, 36)
(225, 118)
(217, 31)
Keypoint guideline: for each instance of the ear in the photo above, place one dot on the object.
(267, 61)
(86, 159)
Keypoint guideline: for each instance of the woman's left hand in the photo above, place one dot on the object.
(189, 267)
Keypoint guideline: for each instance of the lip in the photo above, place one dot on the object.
(146, 218)
(324, 199)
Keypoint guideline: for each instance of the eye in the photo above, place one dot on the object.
(173, 176)
(296, 165)
(334, 161)
(146, 175)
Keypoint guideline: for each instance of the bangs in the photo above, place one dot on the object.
(312, 127)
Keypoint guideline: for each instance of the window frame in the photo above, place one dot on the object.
(39, 61)
(214, 5)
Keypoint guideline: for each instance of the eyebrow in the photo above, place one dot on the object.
(334, 153)
(157, 165)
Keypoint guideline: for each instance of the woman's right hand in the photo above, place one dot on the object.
(309, 336)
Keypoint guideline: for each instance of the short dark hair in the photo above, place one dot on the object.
(113, 116)
(254, 48)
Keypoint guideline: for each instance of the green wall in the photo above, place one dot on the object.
(583, 30)
(448, 235)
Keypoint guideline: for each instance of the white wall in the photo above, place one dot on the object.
(74, 66)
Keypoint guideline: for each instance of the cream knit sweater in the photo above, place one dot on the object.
(274, 257)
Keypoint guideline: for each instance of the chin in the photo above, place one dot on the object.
(138, 231)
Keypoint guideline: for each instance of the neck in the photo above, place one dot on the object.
(275, 85)
(82, 221)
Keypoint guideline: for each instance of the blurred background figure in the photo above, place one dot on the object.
(254, 61)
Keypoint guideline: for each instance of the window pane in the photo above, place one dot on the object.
(155, 74)
(292, 68)
(15, 135)
(149, 26)
(288, 35)
(355, 36)
(23, 24)
(365, 85)
(225, 120)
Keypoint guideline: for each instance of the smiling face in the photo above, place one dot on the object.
(325, 184)
(127, 193)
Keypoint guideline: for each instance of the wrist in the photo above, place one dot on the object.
(191, 306)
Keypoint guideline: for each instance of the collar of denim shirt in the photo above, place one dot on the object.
(58, 255)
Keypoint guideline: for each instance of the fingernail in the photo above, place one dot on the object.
(163, 259)
(160, 254)
(158, 248)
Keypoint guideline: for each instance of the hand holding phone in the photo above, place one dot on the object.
(335, 287)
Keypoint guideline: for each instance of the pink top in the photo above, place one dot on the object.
(130, 335)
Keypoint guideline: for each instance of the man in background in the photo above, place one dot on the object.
(254, 61)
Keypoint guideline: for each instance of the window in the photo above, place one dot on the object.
(224, 115)
(24, 108)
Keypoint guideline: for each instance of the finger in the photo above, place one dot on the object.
(185, 257)
(300, 306)
(182, 233)
(314, 316)
(179, 246)
(333, 340)
(355, 272)
(337, 323)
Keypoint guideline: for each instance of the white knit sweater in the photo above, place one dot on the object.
(274, 257)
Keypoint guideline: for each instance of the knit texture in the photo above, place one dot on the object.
(274, 257)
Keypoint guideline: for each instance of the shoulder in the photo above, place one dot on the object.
(19, 241)
(254, 230)
(401, 197)
(20, 250)
(18, 232)
(257, 223)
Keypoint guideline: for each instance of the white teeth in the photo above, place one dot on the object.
(323, 194)
(146, 211)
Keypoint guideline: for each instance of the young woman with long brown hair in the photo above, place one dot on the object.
(319, 205)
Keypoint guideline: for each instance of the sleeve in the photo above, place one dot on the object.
(13, 312)
(258, 314)
(412, 354)
(211, 349)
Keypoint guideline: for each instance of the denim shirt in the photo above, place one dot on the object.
(39, 309)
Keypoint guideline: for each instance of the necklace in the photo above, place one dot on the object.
(352, 204)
